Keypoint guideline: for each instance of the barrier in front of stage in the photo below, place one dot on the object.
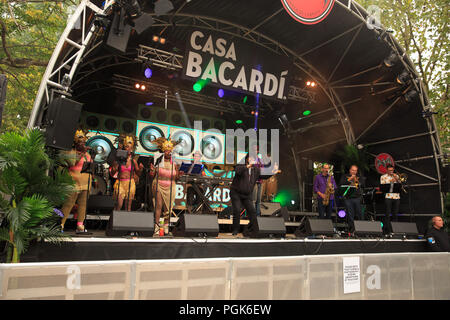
(382, 276)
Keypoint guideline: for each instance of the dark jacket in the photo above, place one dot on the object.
(437, 240)
(242, 182)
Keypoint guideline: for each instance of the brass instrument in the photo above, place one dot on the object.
(402, 178)
(355, 181)
(328, 192)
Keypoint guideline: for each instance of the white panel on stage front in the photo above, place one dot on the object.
(154, 130)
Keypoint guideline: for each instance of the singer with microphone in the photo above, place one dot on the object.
(245, 178)
(164, 173)
(75, 159)
(128, 173)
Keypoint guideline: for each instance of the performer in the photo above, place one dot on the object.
(392, 199)
(75, 159)
(164, 174)
(437, 238)
(191, 197)
(353, 200)
(128, 174)
(324, 187)
(242, 186)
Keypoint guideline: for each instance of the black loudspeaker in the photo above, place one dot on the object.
(269, 227)
(119, 32)
(372, 228)
(405, 228)
(102, 203)
(62, 117)
(162, 7)
(143, 23)
(197, 225)
(315, 227)
(3, 84)
(122, 222)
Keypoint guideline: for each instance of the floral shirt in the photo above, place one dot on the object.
(386, 179)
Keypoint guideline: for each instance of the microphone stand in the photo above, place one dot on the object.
(87, 168)
(158, 162)
(170, 196)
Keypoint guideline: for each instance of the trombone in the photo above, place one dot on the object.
(402, 178)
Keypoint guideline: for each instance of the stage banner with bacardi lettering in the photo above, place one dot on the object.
(236, 64)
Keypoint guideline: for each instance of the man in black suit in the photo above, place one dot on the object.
(241, 191)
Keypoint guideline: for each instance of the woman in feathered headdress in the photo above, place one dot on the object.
(74, 160)
(125, 185)
(164, 185)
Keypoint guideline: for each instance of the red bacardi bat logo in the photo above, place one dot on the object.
(308, 11)
(381, 162)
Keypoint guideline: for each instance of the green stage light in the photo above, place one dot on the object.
(238, 121)
(197, 87)
(245, 99)
(283, 197)
(306, 112)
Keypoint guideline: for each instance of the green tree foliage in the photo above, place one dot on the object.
(28, 193)
(29, 31)
(422, 29)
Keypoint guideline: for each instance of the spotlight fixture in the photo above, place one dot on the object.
(137, 86)
(410, 95)
(342, 214)
(311, 84)
(403, 77)
(220, 93)
(391, 60)
(143, 87)
(159, 39)
(148, 73)
(306, 112)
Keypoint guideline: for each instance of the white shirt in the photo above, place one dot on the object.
(387, 179)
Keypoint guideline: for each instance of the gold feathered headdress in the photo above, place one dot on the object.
(80, 136)
(164, 144)
(126, 139)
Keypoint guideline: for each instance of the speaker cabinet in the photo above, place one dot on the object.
(315, 227)
(405, 228)
(146, 133)
(269, 208)
(269, 227)
(197, 225)
(63, 115)
(187, 138)
(119, 32)
(122, 222)
(101, 203)
(368, 228)
(212, 147)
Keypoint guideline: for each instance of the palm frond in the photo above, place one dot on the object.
(4, 234)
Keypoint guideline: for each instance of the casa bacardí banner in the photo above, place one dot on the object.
(236, 64)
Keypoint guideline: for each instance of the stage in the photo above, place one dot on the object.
(98, 247)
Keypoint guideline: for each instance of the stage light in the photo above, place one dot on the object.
(313, 84)
(148, 73)
(162, 40)
(308, 83)
(239, 121)
(403, 77)
(245, 99)
(410, 95)
(292, 202)
(256, 113)
(306, 112)
(220, 93)
(197, 87)
(137, 85)
(391, 60)
(143, 87)
(342, 213)
(155, 39)
(149, 103)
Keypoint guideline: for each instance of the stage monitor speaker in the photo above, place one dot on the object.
(197, 225)
(269, 227)
(315, 227)
(162, 7)
(122, 222)
(102, 203)
(372, 228)
(405, 228)
(143, 23)
(3, 85)
(62, 117)
(119, 32)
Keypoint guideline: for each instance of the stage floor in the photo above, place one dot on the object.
(98, 247)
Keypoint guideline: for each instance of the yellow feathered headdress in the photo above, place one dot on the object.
(126, 139)
(165, 144)
(80, 136)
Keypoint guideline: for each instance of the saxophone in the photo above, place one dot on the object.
(328, 192)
